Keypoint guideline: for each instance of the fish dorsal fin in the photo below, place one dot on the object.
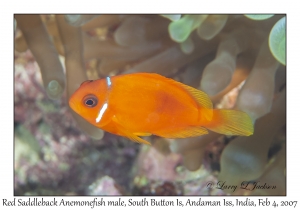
(202, 98)
(186, 132)
(204, 102)
(128, 134)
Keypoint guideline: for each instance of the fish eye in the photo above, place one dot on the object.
(90, 101)
(87, 81)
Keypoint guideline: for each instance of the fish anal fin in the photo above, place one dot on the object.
(128, 134)
(186, 132)
(231, 122)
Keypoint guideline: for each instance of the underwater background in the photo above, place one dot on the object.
(238, 60)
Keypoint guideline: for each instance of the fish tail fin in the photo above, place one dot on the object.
(230, 122)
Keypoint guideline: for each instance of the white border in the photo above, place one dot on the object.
(8, 8)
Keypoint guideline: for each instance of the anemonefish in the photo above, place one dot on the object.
(142, 104)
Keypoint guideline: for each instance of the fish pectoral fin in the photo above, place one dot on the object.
(183, 132)
(128, 134)
(142, 134)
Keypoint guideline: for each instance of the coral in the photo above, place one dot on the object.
(52, 156)
(238, 60)
(162, 167)
(103, 186)
(159, 188)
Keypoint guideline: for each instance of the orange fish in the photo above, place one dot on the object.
(143, 104)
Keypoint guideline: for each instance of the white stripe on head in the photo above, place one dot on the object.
(102, 110)
(105, 105)
(108, 81)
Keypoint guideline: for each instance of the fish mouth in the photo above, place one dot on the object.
(72, 104)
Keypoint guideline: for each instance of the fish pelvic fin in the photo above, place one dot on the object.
(128, 134)
(231, 122)
(135, 138)
(186, 132)
(142, 134)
